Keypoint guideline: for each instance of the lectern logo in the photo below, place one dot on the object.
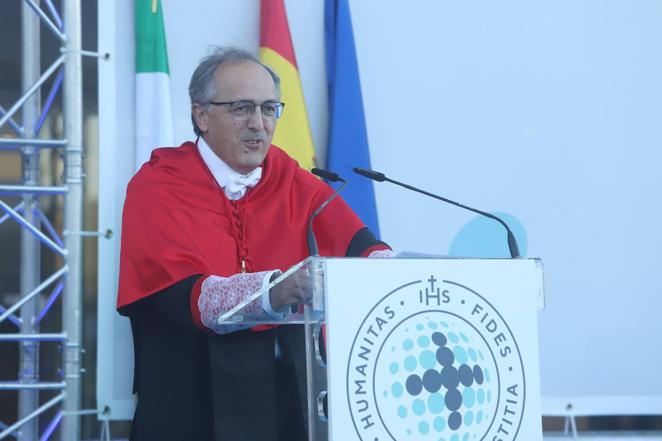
(433, 360)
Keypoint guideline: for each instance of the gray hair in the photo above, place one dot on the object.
(202, 88)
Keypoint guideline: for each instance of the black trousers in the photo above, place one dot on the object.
(196, 386)
(255, 395)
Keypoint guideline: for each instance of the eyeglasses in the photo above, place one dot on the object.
(246, 109)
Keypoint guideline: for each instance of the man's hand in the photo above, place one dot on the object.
(295, 290)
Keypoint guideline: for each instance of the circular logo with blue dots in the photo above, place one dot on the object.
(433, 360)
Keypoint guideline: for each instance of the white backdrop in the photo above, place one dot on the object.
(547, 112)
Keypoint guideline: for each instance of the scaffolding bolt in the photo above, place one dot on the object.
(105, 234)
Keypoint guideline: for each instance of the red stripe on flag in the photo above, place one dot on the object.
(274, 30)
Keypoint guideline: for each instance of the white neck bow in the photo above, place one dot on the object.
(237, 184)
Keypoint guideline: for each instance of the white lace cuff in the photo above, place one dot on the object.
(381, 254)
(220, 294)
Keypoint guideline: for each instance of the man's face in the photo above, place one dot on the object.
(240, 143)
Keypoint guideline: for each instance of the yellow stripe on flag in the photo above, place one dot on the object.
(292, 131)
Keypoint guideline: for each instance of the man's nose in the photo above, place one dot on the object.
(256, 121)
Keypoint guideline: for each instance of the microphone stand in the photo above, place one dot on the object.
(380, 177)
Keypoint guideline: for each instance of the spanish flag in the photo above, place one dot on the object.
(276, 51)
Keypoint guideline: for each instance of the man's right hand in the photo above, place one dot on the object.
(296, 289)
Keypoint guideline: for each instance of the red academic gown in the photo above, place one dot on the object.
(178, 226)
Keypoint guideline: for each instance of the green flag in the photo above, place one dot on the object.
(153, 106)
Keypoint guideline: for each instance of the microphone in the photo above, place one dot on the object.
(326, 174)
(330, 176)
(380, 177)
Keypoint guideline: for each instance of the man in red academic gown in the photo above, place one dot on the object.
(205, 225)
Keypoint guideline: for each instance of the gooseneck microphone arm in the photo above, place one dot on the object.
(380, 177)
(330, 176)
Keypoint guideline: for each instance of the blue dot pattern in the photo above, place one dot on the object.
(440, 383)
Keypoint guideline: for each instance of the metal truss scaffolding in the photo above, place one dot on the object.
(36, 230)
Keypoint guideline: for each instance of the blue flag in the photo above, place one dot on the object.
(348, 138)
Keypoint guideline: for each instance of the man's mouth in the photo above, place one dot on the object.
(254, 142)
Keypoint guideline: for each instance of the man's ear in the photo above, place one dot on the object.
(201, 117)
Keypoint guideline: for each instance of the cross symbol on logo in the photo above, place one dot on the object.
(432, 280)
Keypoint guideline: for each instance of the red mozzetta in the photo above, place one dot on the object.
(178, 222)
